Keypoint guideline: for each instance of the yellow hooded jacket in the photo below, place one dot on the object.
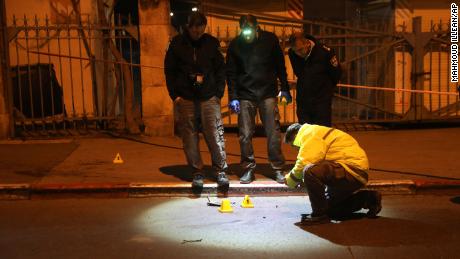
(319, 143)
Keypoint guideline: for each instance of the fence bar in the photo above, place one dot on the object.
(61, 75)
(19, 86)
(81, 76)
(51, 74)
(122, 77)
(32, 110)
(37, 34)
(71, 71)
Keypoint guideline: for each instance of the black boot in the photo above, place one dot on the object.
(279, 176)
(248, 176)
(312, 219)
(374, 204)
(222, 180)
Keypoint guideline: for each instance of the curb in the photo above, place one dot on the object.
(258, 188)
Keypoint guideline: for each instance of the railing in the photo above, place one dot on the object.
(66, 79)
(372, 56)
(63, 78)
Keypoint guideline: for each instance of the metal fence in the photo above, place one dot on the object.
(387, 77)
(69, 78)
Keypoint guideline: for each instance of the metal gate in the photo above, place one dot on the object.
(388, 76)
(71, 76)
(74, 76)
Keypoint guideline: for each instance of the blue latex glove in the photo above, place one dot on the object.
(234, 106)
(286, 95)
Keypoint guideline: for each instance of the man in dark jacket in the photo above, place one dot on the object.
(255, 62)
(318, 71)
(195, 77)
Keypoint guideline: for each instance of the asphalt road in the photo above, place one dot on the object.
(409, 227)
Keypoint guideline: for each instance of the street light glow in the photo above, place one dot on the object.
(244, 229)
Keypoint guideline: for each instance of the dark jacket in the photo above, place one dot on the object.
(317, 75)
(186, 58)
(253, 68)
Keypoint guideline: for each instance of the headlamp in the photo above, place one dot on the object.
(247, 31)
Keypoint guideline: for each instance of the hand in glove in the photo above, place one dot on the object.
(286, 95)
(234, 106)
(291, 181)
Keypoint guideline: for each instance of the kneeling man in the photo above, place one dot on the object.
(333, 168)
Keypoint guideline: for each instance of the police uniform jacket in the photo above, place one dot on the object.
(317, 75)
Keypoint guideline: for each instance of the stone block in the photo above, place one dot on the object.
(159, 125)
(154, 40)
(154, 12)
(156, 102)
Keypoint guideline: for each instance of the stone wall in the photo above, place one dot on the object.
(155, 30)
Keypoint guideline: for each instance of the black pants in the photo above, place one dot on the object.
(317, 112)
(334, 191)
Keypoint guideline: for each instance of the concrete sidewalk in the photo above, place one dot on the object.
(401, 161)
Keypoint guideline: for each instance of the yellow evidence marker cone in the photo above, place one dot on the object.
(247, 203)
(118, 159)
(225, 206)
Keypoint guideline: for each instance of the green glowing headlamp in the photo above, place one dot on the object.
(247, 31)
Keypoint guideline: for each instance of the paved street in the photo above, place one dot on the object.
(410, 226)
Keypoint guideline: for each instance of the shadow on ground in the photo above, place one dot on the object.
(264, 169)
(184, 172)
(30, 162)
(379, 232)
(455, 200)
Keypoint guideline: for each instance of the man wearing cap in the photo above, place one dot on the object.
(255, 62)
(318, 71)
(195, 78)
(333, 168)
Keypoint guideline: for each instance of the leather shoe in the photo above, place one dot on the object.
(248, 176)
(222, 180)
(198, 180)
(279, 176)
(312, 219)
(374, 204)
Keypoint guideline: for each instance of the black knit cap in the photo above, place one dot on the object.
(196, 19)
(291, 132)
(247, 19)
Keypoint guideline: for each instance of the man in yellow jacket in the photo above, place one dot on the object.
(333, 168)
